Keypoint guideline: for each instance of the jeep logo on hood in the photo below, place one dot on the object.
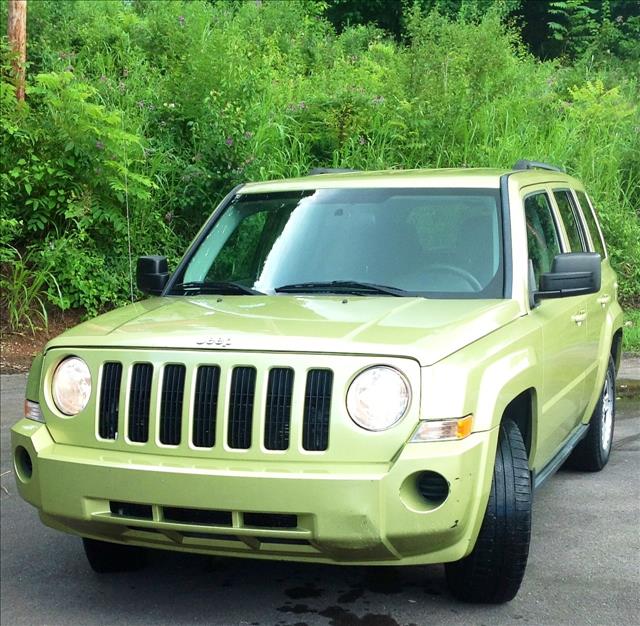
(220, 342)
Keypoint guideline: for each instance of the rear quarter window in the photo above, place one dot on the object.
(571, 218)
(592, 225)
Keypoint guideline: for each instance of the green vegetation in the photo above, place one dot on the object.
(154, 110)
(632, 331)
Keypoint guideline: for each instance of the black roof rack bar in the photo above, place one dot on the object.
(523, 164)
(330, 170)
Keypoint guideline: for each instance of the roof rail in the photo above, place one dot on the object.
(523, 164)
(330, 170)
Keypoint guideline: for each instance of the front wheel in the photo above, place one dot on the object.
(494, 570)
(105, 557)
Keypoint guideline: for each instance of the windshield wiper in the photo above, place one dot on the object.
(220, 287)
(342, 286)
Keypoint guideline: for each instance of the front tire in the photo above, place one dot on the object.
(105, 557)
(494, 570)
(592, 453)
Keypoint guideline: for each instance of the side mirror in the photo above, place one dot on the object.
(152, 274)
(572, 274)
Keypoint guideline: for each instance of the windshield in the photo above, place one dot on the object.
(444, 243)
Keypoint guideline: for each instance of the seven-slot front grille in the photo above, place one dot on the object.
(213, 399)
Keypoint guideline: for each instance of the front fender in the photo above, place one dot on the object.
(483, 378)
(33, 380)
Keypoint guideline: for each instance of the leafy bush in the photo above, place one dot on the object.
(140, 116)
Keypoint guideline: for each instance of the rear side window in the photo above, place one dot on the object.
(572, 223)
(542, 233)
(590, 218)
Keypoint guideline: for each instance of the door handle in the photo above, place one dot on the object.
(604, 300)
(579, 318)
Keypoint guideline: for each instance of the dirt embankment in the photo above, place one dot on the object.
(17, 348)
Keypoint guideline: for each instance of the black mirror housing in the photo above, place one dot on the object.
(152, 274)
(572, 274)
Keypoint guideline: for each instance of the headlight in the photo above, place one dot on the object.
(71, 386)
(378, 398)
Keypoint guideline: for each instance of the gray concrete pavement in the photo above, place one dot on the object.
(583, 567)
(630, 368)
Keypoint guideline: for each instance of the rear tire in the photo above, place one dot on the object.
(105, 557)
(494, 570)
(592, 453)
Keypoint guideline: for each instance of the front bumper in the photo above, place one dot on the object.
(346, 513)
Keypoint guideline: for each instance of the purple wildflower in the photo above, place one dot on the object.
(229, 141)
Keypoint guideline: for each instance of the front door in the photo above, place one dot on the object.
(564, 333)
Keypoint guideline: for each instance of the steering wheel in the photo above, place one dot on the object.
(474, 283)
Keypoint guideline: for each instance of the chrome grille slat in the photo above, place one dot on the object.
(240, 419)
(171, 407)
(317, 407)
(139, 401)
(109, 400)
(278, 408)
(205, 407)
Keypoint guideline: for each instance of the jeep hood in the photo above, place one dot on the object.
(423, 329)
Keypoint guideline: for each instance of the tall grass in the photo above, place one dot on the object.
(24, 283)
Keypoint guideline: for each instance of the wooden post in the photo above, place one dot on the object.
(17, 33)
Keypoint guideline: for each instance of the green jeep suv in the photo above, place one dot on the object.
(349, 367)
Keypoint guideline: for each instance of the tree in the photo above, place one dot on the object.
(17, 34)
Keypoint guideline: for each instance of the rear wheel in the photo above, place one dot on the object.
(592, 453)
(492, 573)
(105, 557)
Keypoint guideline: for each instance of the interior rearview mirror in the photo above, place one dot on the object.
(572, 274)
(152, 274)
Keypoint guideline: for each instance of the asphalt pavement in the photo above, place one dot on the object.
(584, 565)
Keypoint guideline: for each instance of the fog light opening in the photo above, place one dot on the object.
(23, 464)
(433, 487)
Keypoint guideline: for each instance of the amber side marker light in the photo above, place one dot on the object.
(32, 411)
(443, 430)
